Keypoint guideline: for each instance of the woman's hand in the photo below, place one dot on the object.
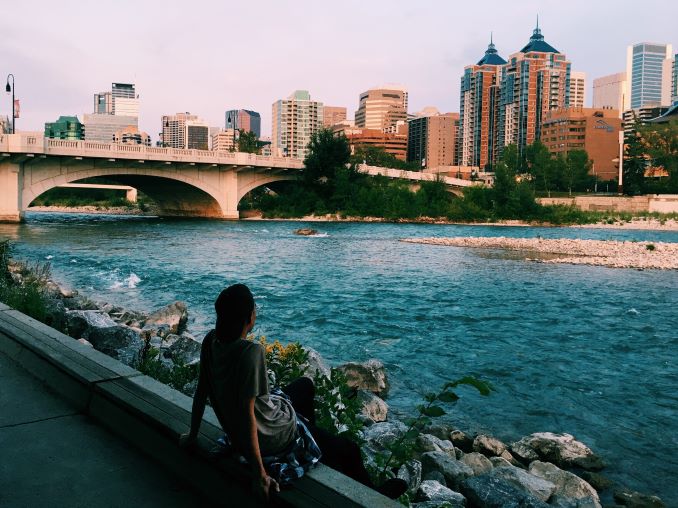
(264, 485)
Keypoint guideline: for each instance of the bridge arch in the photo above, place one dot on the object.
(250, 182)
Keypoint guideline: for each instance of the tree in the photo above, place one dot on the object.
(661, 145)
(576, 170)
(511, 158)
(377, 156)
(247, 142)
(635, 162)
(541, 167)
(327, 154)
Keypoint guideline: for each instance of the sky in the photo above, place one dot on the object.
(208, 56)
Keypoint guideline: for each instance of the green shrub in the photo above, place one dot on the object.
(29, 295)
(650, 246)
(337, 407)
(179, 377)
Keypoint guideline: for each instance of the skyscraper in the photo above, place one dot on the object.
(432, 139)
(381, 108)
(333, 115)
(185, 130)
(647, 75)
(113, 111)
(577, 89)
(479, 110)
(610, 92)
(295, 120)
(534, 81)
(249, 121)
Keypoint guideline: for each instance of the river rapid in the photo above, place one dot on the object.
(580, 349)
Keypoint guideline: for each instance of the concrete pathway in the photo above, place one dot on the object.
(51, 456)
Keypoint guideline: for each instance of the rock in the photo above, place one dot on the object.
(500, 462)
(562, 449)
(488, 446)
(118, 342)
(168, 341)
(369, 375)
(305, 231)
(511, 460)
(462, 440)
(571, 491)
(433, 491)
(452, 469)
(79, 322)
(430, 443)
(523, 452)
(534, 485)
(373, 407)
(637, 500)
(315, 364)
(410, 471)
(439, 430)
(381, 434)
(435, 476)
(487, 491)
(596, 480)
(478, 462)
(132, 318)
(174, 315)
(85, 342)
(185, 350)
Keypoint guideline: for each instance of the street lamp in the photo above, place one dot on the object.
(11, 89)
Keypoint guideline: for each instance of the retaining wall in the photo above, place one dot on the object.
(662, 203)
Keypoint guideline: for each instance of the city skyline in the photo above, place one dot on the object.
(177, 75)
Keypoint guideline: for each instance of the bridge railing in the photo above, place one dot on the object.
(35, 143)
(415, 176)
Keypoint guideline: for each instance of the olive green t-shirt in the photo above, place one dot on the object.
(235, 372)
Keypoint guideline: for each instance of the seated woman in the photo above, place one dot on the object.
(259, 424)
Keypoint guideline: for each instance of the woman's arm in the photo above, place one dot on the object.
(197, 411)
(263, 482)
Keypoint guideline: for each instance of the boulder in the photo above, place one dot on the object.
(379, 435)
(532, 484)
(637, 500)
(373, 407)
(571, 491)
(462, 440)
(478, 462)
(185, 350)
(430, 443)
(430, 490)
(439, 430)
(79, 322)
(369, 375)
(305, 232)
(132, 318)
(523, 452)
(435, 476)
(410, 471)
(596, 480)
(118, 342)
(511, 460)
(488, 446)
(315, 364)
(562, 450)
(500, 462)
(452, 469)
(487, 491)
(173, 315)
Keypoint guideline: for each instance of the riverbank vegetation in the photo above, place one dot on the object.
(22, 287)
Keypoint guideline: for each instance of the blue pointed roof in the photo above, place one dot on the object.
(491, 56)
(537, 43)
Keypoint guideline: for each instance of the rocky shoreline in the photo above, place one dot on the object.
(609, 253)
(447, 466)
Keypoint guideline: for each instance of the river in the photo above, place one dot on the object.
(586, 350)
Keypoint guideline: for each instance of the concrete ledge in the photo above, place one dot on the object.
(151, 416)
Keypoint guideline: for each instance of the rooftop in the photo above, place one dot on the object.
(491, 56)
(538, 44)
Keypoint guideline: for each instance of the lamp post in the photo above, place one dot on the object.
(11, 89)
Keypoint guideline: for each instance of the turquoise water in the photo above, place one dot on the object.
(579, 349)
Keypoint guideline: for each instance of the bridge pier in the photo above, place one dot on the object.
(11, 182)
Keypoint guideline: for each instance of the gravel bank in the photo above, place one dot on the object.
(643, 255)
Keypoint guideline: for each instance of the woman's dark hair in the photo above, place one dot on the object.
(234, 308)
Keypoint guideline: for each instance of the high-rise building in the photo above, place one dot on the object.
(295, 120)
(185, 130)
(102, 127)
(479, 110)
(673, 91)
(577, 89)
(534, 81)
(649, 81)
(595, 130)
(248, 121)
(431, 139)
(225, 141)
(333, 115)
(381, 108)
(393, 143)
(122, 100)
(66, 127)
(611, 92)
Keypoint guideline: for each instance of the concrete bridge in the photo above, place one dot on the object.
(184, 183)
